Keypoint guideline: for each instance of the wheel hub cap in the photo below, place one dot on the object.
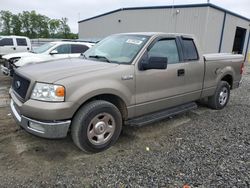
(101, 129)
(223, 96)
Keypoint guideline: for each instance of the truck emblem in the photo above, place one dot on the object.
(18, 84)
(127, 77)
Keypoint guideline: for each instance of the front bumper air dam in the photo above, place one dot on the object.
(55, 129)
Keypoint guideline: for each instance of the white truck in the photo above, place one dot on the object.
(46, 52)
(13, 44)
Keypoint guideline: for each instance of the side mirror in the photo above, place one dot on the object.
(53, 52)
(155, 63)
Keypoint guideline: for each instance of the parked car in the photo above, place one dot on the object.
(13, 44)
(131, 79)
(49, 51)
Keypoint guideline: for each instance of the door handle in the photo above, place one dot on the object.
(181, 72)
(14, 48)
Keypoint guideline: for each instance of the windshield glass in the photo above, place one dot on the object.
(43, 48)
(120, 49)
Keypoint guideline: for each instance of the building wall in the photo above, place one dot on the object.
(204, 22)
(229, 32)
(213, 28)
(158, 20)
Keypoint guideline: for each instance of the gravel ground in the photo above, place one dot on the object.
(201, 148)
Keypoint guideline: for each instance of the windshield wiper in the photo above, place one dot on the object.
(100, 57)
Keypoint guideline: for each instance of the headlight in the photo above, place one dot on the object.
(48, 92)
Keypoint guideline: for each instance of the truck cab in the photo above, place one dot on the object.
(14, 44)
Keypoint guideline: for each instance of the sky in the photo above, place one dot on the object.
(76, 10)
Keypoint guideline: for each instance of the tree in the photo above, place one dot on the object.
(16, 25)
(54, 25)
(34, 25)
(24, 17)
(64, 28)
(6, 22)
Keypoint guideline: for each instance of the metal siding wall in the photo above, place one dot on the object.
(188, 20)
(229, 33)
(211, 41)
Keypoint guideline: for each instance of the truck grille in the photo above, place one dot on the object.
(20, 85)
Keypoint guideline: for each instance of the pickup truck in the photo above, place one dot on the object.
(14, 44)
(46, 52)
(131, 78)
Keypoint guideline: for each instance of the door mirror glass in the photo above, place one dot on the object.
(155, 63)
(53, 52)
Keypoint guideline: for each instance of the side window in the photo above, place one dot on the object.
(165, 48)
(6, 42)
(63, 49)
(77, 48)
(189, 50)
(21, 42)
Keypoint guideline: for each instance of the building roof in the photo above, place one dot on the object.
(170, 6)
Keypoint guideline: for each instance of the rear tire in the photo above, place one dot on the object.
(96, 126)
(221, 96)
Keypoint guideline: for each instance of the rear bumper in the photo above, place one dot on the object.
(48, 129)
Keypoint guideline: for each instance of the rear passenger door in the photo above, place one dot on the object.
(77, 50)
(22, 45)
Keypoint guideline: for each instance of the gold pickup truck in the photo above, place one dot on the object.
(131, 78)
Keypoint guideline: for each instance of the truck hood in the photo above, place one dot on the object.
(53, 71)
(22, 54)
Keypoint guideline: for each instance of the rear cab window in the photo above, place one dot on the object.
(6, 42)
(189, 50)
(21, 42)
(166, 47)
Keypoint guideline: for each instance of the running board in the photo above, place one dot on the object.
(158, 116)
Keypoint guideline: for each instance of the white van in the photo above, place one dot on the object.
(13, 44)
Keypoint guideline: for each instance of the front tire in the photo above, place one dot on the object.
(96, 126)
(221, 97)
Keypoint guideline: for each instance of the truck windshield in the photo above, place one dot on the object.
(43, 48)
(120, 49)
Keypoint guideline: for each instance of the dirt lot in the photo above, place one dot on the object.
(201, 148)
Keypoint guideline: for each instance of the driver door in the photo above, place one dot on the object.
(61, 52)
(158, 89)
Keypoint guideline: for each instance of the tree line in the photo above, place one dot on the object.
(34, 25)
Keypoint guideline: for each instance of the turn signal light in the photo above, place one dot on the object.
(60, 91)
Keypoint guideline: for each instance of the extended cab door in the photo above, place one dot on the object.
(179, 83)
(22, 45)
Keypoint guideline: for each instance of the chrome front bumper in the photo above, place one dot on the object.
(5, 70)
(55, 129)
